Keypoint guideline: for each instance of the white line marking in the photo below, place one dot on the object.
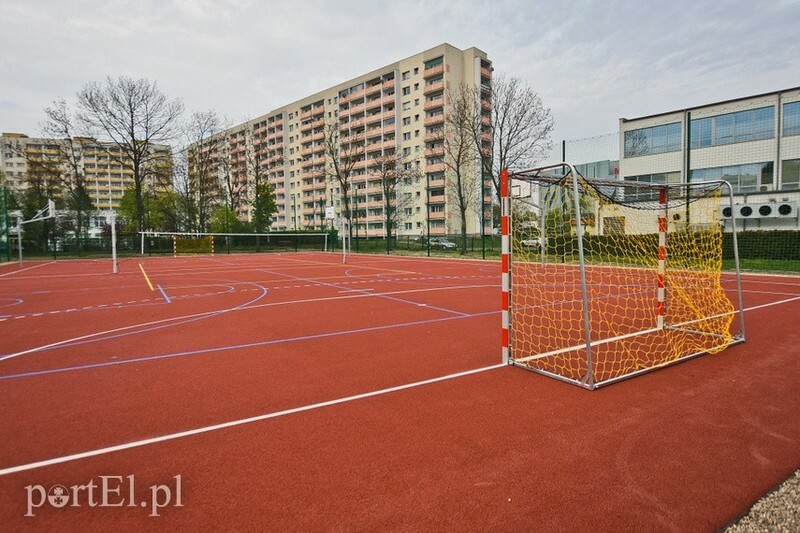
(234, 423)
(27, 268)
(228, 310)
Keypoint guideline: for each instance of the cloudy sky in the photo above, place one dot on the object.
(592, 62)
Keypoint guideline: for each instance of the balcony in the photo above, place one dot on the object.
(372, 89)
(357, 109)
(438, 119)
(388, 84)
(437, 215)
(434, 87)
(432, 72)
(374, 132)
(434, 135)
(435, 167)
(434, 104)
(436, 151)
(486, 72)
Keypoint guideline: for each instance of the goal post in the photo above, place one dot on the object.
(606, 279)
(181, 243)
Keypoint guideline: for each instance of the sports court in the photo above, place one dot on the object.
(290, 391)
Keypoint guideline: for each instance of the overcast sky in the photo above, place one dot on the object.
(591, 62)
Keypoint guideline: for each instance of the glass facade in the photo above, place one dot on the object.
(741, 126)
(653, 140)
(743, 178)
(650, 194)
(791, 119)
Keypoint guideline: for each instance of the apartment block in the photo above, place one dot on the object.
(104, 165)
(397, 111)
(751, 142)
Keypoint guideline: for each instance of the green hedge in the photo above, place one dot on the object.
(774, 245)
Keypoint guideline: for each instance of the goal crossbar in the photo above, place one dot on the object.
(667, 236)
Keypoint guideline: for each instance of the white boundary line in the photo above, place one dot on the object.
(234, 423)
(26, 268)
(295, 410)
(232, 309)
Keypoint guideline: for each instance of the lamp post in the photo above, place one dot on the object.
(428, 211)
(483, 206)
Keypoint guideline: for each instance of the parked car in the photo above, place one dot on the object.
(531, 244)
(444, 244)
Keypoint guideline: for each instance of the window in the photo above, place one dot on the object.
(741, 126)
(406, 121)
(653, 140)
(743, 178)
(416, 70)
(406, 91)
(406, 106)
(791, 119)
(416, 86)
(435, 62)
(409, 225)
(416, 101)
(407, 136)
(614, 225)
(645, 194)
(790, 175)
(406, 75)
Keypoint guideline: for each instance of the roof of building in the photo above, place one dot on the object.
(722, 102)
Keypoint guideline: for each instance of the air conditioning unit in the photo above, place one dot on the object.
(765, 210)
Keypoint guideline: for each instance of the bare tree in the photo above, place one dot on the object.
(394, 171)
(71, 150)
(134, 114)
(227, 184)
(201, 182)
(510, 126)
(260, 193)
(460, 155)
(342, 156)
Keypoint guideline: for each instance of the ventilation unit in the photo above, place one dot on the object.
(767, 210)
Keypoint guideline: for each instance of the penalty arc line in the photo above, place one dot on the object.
(234, 423)
(240, 422)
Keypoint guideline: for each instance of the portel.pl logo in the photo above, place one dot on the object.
(105, 491)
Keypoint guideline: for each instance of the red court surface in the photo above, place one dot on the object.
(294, 392)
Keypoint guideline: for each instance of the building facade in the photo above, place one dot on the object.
(752, 142)
(104, 166)
(397, 112)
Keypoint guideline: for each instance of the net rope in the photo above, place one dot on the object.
(627, 286)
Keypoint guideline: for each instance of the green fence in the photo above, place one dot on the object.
(5, 237)
(766, 251)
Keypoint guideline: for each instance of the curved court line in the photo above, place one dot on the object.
(241, 421)
(95, 337)
(201, 351)
(267, 416)
(14, 301)
(72, 342)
